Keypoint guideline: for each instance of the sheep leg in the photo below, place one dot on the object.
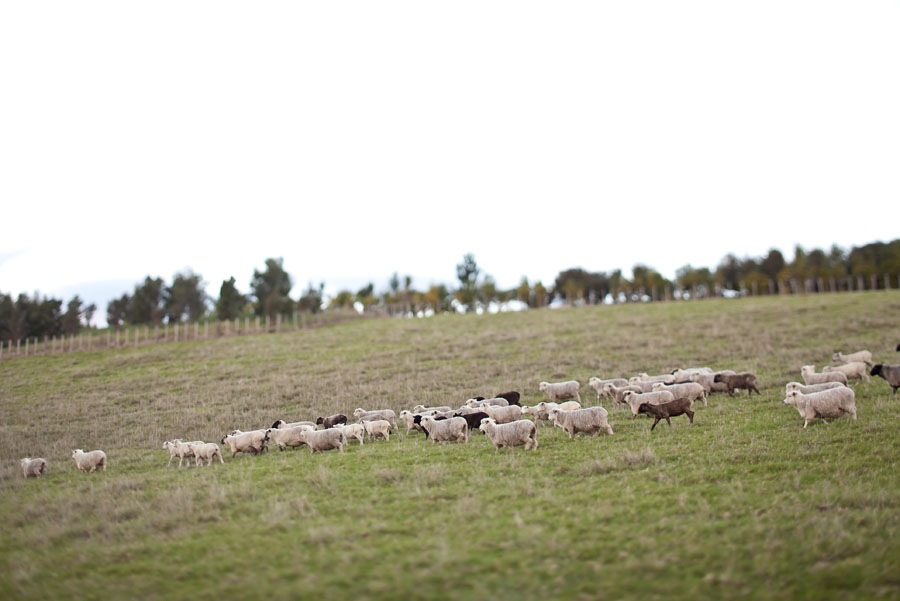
(668, 421)
(654, 424)
(180, 460)
(690, 415)
(171, 457)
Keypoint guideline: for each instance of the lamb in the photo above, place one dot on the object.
(378, 427)
(746, 380)
(286, 437)
(828, 403)
(482, 403)
(33, 467)
(666, 410)
(808, 372)
(331, 420)
(590, 420)
(708, 381)
(688, 390)
(618, 394)
(643, 377)
(324, 440)
(473, 419)
(513, 434)
(791, 386)
(539, 414)
(408, 418)
(246, 442)
(423, 408)
(454, 429)
(180, 449)
(890, 373)
(854, 371)
(861, 356)
(599, 385)
(362, 415)
(634, 399)
(357, 431)
(281, 424)
(504, 415)
(685, 375)
(89, 462)
(512, 397)
(205, 450)
(560, 391)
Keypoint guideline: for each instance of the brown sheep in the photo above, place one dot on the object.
(746, 380)
(667, 410)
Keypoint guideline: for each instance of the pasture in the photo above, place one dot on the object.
(742, 504)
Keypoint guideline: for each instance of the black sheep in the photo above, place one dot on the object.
(667, 410)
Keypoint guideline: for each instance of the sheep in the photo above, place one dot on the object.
(378, 427)
(643, 385)
(473, 419)
(357, 431)
(33, 467)
(643, 377)
(590, 420)
(286, 437)
(512, 397)
(89, 462)
(809, 375)
(684, 375)
(634, 399)
(408, 418)
(454, 429)
(504, 415)
(828, 403)
(687, 390)
(362, 415)
(890, 373)
(746, 380)
(854, 371)
(179, 448)
(861, 356)
(708, 381)
(481, 404)
(560, 391)
(618, 394)
(599, 385)
(513, 434)
(423, 408)
(324, 440)
(666, 410)
(246, 442)
(281, 424)
(791, 386)
(331, 420)
(205, 450)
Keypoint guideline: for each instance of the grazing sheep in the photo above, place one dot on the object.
(687, 390)
(89, 462)
(828, 403)
(357, 431)
(685, 375)
(423, 408)
(791, 386)
(331, 420)
(514, 434)
(378, 427)
(179, 448)
(643, 377)
(33, 467)
(362, 415)
(854, 371)
(809, 375)
(246, 442)
(454, 429)
(482, 403)
(618, 394)
(667, 410)
(890, 373)
(861, 356)
(746, 381)
(634, 399)
(324, 440)
(591, 420)
(512, 397)
(560, 391)
(599, 385)
(286, 437)
(408, 418)
(504, 415)
(281, 424)
(708, 381)
(205, 450)
(473, 419)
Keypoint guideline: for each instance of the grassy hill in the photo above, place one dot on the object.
(743, 504)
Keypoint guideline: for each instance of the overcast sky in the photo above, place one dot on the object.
(356, 139)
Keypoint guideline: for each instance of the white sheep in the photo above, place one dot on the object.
(423, 408)
(591, 420)
(454, 429)
(634, 399)
(378, 427)
(854, 371)
(828, 403)
(357, 431)
(179, 448)
(644, 377)
(33, 467)
(245, 442)
(809, 375)
(514, 434)
(708, 381)
(861, 356)
(324, 440)
(205, 450)
(281, 424)
(504, 415)
(286, 437)
(685, 375)
(618, 394)
(362, 415)
(686, 390)
(560, 391)
(792, 386)
(599, 385)
(481, 404)
(89, 462)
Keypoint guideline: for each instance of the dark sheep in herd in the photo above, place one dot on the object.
(331, 420)
(667, 410)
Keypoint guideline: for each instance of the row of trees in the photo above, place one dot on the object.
(154, 302)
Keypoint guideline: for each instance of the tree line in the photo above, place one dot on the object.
(154, 302)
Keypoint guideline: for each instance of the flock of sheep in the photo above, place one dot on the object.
(502, 418)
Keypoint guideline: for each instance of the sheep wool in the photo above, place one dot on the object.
(513, 434)
(828, 403)
(34, 467)
(89, 462)
(560, 391)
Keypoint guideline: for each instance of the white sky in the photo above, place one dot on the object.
(356, 139)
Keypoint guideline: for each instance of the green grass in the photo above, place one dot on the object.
(743, 504)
